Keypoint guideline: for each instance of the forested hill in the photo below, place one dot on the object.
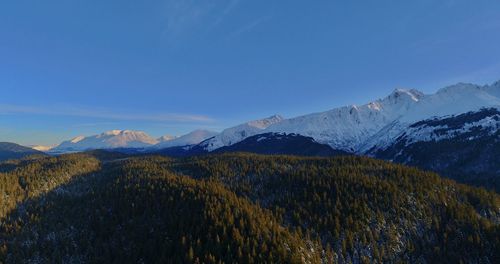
(14, 151)
(240, 208)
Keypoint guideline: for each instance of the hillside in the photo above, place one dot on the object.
(281, 143)
(241, 208)
(15, 151)
(412, 215)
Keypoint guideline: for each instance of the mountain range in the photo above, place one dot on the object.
(129, 139)
(401, 127)
(205, 204)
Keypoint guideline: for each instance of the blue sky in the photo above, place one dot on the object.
(74, 67)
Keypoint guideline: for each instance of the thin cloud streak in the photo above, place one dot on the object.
(6, 109)
(230, 6)
(182, 16)
(249, 27)
(189, 16)
(95, 124)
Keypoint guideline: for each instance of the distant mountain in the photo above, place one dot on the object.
(351, 128)
(15, 151)
(108, 140)
(282, 143)
(165, 138)
(236, 134)
(42, 148)
(191, 138)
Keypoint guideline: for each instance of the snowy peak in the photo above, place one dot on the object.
(453, 100)
(41, 148)
(113, 132)
(404, 95)
(459, 88)
(192, 138)
(447, 102)
(238, 133)
(128, 135)
(165, 138)
(348, 127)
(400, 100)
(107, 140)
(494, 89)
(266, 122)
(356, 128)
(77, 139)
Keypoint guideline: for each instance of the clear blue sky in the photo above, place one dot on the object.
(74, 67)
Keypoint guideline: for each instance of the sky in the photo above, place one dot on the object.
(81, 67)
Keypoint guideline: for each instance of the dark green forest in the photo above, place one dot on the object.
(101, 207)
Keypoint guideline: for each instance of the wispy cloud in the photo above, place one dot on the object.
(188, 16)
(215, 127)
(249, 26)
(96, 124)
(184, 15)
(102, 114)
(225, 12)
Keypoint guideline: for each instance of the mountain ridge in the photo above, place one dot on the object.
(354, 128)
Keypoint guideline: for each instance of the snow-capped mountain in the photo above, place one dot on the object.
(166, 138)
(41, 148)
(107, 140)
(354, 128)
(346, 128)
(238, 133)
(468, 126)
(191, 138)
(360, 128)
(447, 102)
(401, 127)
